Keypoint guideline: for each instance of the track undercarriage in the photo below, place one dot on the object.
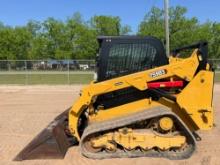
(156, 132)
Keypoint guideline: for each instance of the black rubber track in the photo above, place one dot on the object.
(134, 118)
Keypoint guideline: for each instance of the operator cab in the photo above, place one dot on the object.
(122, 55)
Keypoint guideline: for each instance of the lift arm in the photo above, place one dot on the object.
(183, 68)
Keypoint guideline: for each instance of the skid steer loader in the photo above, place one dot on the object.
(142, 104)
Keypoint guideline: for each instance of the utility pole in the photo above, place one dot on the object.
(167, 32)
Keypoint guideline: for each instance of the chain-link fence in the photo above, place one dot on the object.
(216, 64)
(47, 65)
(46, 71)
(56, 71)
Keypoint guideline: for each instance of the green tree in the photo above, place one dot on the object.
(109, 26)
(183, 30)
(14, 43)
(153, 24)
(106, 25)
(34, 27)
(214, 47)
(75, 38)
(1, 25)
(22, 39)
(58, 45)
(6, 41)
(39, 48)
(125, 30)
(81, 37)
(85, 45)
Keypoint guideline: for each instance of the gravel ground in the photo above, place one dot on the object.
(26, 110)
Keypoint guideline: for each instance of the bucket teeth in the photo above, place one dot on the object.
(51, 143)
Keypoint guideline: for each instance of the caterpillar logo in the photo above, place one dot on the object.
(158, 73)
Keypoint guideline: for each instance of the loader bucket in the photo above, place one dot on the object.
(51, 143)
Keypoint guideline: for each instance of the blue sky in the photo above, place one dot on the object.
(131, 12)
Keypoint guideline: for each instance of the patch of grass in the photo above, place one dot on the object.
(12, 79)
(217, 77)
(54, 79)
(50, 79)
